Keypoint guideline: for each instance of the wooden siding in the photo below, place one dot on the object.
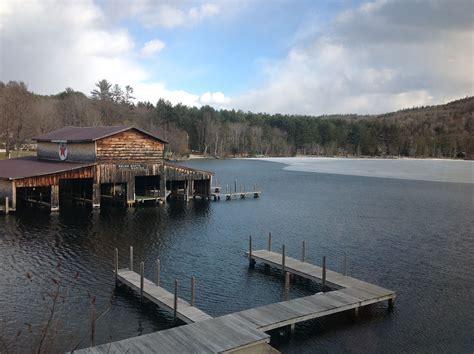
(123, 173)
(53, 179)
(181, 173)
(75, 151)
(129, 146)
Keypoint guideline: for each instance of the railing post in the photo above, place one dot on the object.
(303, 252)
(142, 271)
(344, 268)
(158, 272)
(193, 291)
(269, 241)
(251, 260)
(131, 258)
(116, 267)
(324, 273)
(175, 312)
(283, 260)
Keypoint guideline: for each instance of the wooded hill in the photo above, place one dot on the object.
(433, 131)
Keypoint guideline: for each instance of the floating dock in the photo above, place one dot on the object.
(217, 194)
(244, 331)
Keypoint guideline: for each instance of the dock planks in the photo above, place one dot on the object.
(244, 331)
(162, 297)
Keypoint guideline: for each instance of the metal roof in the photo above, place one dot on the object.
(88, 134)
(30, 166)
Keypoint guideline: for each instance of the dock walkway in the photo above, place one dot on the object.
(245, 330)
(162, 297)
(236, 195)
(334, 280)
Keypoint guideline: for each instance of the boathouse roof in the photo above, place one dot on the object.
(30, 166)
(88, 134)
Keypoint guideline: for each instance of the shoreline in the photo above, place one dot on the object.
(201, 157)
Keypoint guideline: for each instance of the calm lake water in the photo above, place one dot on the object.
(413, 236)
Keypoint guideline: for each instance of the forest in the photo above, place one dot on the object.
(431, 131)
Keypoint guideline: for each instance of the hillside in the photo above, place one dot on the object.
(434, 131)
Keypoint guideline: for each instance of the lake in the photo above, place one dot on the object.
(406, 233)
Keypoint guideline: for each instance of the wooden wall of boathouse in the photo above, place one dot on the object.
(130, 146)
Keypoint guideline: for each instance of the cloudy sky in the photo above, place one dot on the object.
(287, 56)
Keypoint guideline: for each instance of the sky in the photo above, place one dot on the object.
(275, 56)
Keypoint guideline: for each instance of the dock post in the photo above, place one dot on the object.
(116, 267)
(175, 312)
(344, 268)
(235, 186)
(193, 291)
(142, 271)
(324, 274)
(251, 260)
(158, 272)
(287, 286)
(131, 258)
(7, 205)
(303, 252)
(269, 241)
(283, 260)
(391, 303)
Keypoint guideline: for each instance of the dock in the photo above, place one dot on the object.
(245, 331)
(217, 194)
(163, 298)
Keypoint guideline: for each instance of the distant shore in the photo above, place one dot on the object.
(209, 157)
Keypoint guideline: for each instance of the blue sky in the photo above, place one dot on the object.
(300, 56)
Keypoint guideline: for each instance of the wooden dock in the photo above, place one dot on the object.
(333, 280)
(238, 195)
(221, 335)
(244, 331)
(234, 193)
(162, 297)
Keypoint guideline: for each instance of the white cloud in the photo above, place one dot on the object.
(152, 91)
(382, 56)
(53, 45)
(152, 47)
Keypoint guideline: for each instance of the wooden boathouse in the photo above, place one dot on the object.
(94, 165)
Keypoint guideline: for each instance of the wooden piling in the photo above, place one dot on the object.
(251, 260)
(158, 272)
(344, 268)
(116, 266)
(324, 274)
(7, 205)
(269, 241)
(175, 308)
(235, 186)
(142, 275)
(303, 251)
(391, 303)
(283, 259)
(131, 258)
(193, 291)
(287, 280)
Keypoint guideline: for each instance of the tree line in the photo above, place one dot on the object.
(432, 131)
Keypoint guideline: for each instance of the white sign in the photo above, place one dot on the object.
(62, 151)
